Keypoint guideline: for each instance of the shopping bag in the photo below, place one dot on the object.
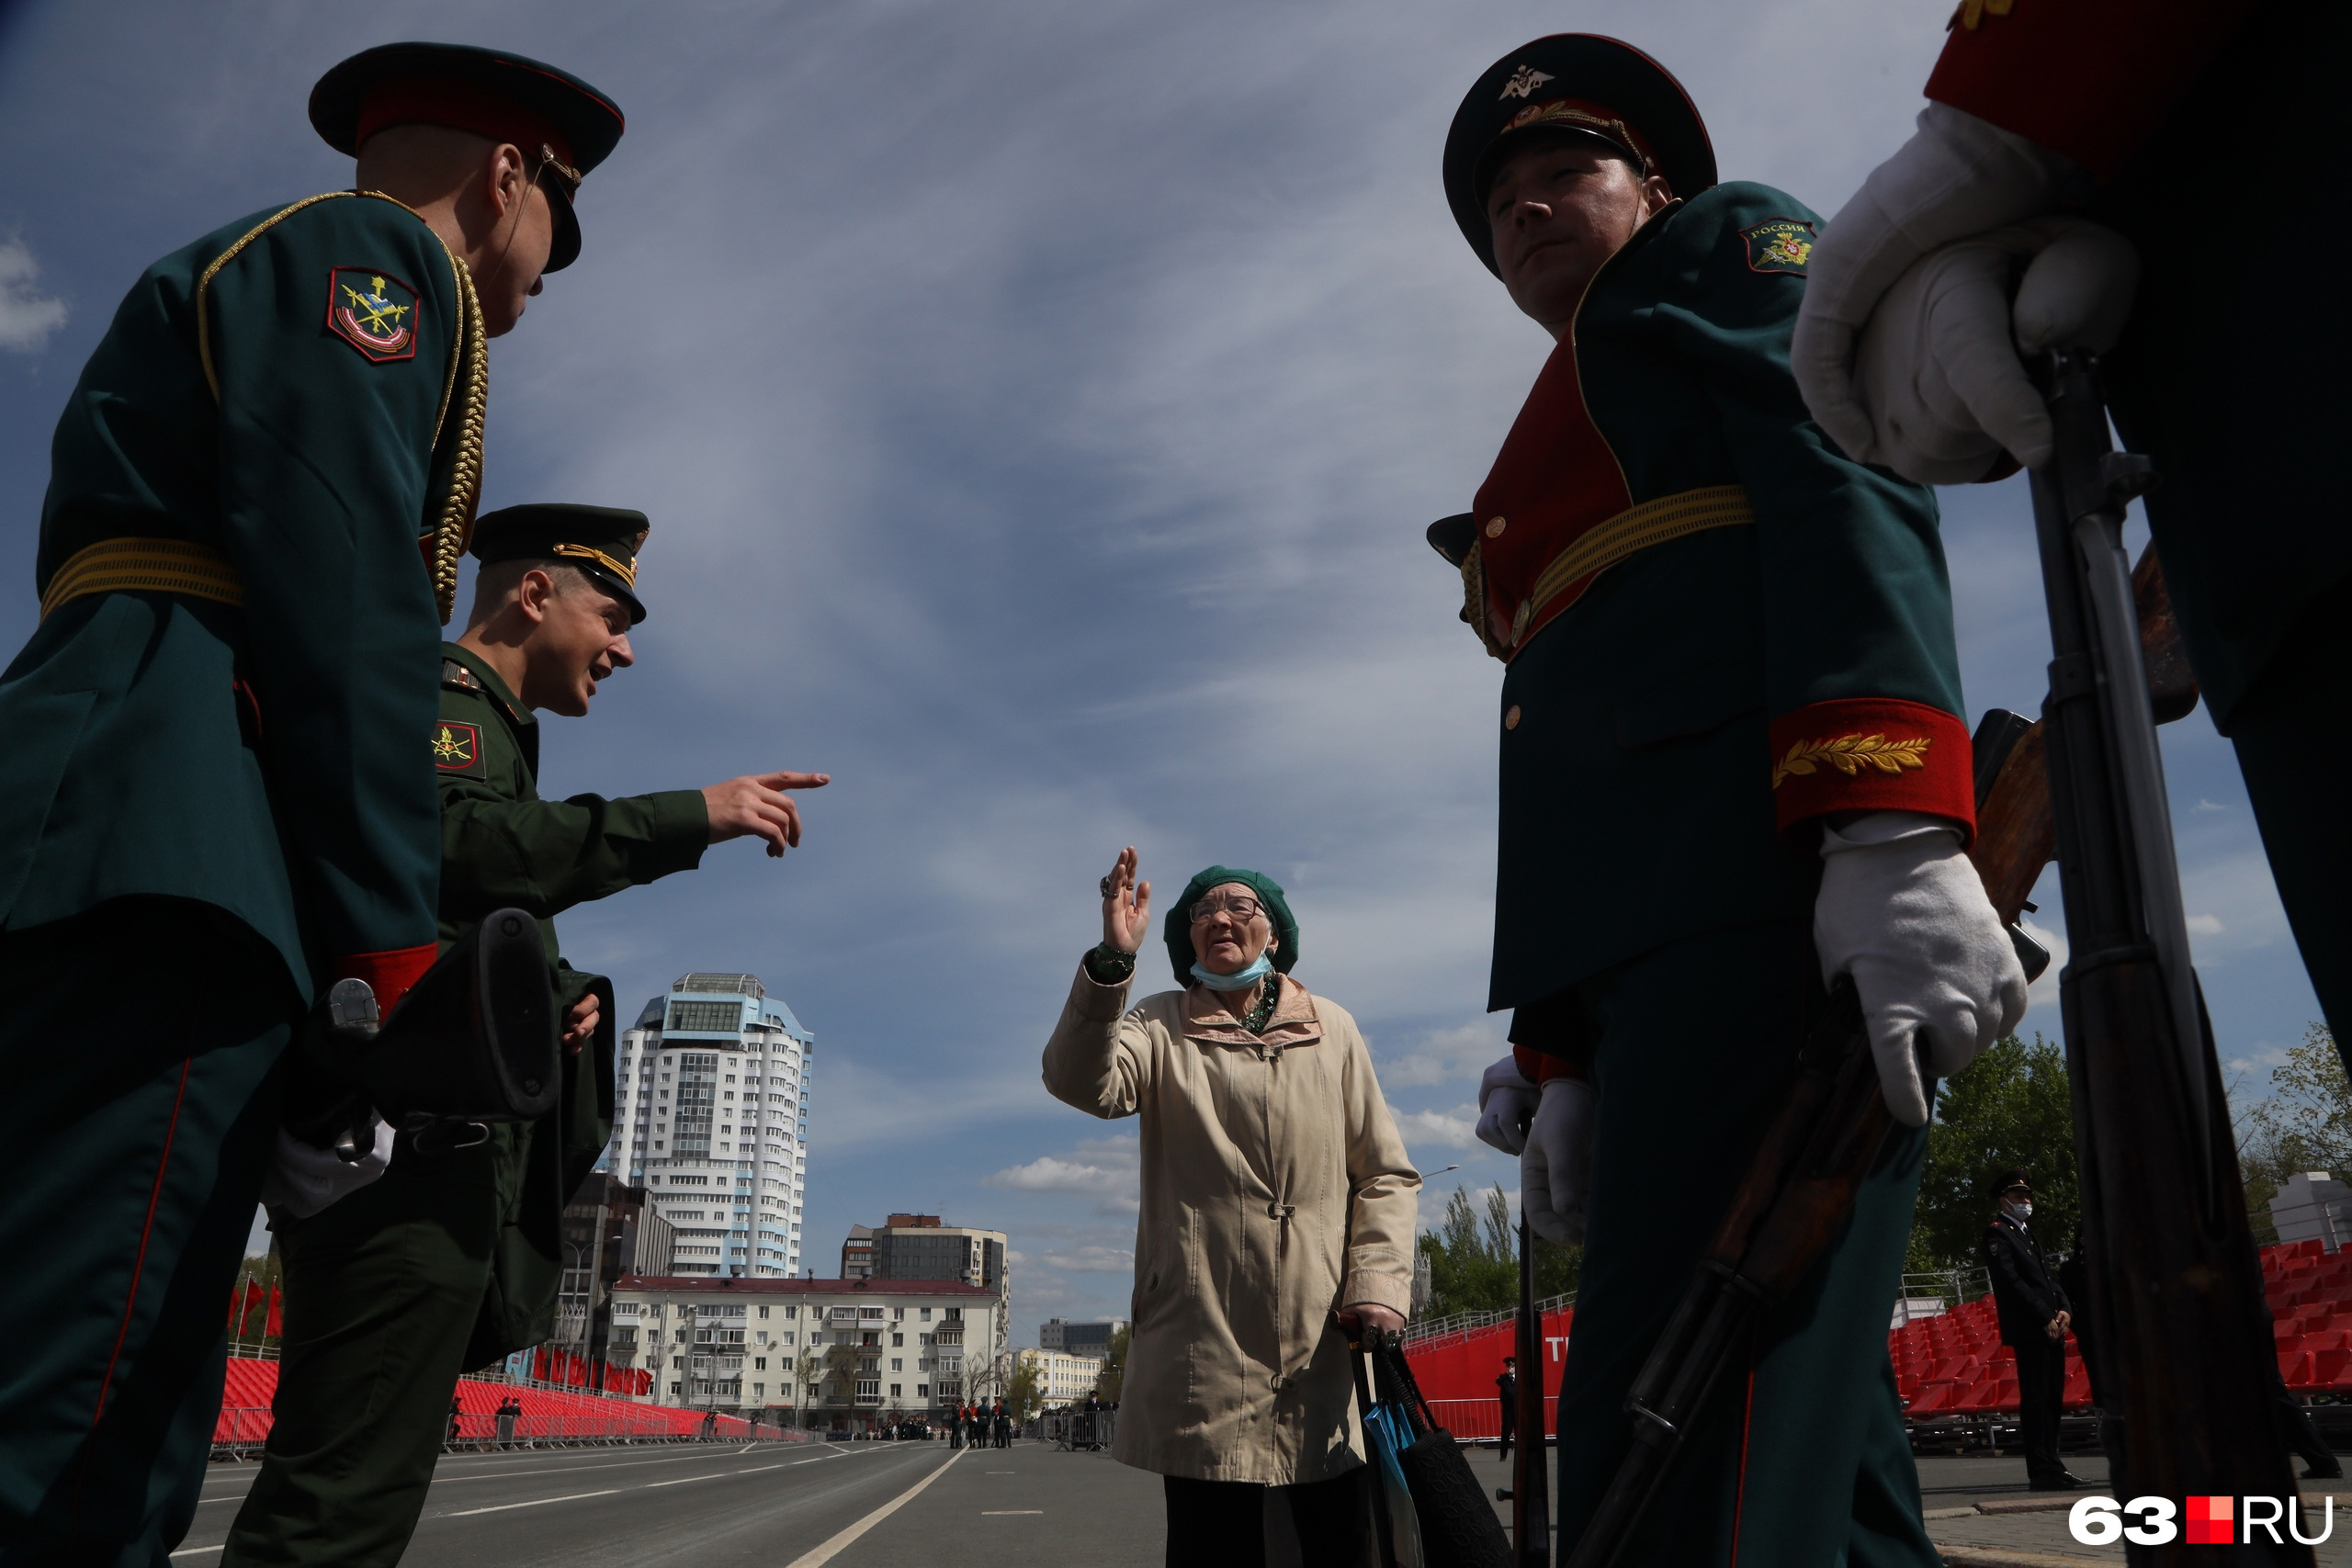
(1386, 1436)
(1454, 1525)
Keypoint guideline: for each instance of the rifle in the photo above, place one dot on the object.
(2175, 1302)
(1530, 1492)
(2176, 1287)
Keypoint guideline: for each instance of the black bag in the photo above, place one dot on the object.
(1458, 1525)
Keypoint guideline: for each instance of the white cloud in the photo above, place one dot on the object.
(1452, 1056)
(1048, 1174)
(1455, 1129)
(27, 317)
(1094, 1260)
(2205, 925)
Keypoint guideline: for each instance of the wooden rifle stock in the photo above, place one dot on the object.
(1801, 1184)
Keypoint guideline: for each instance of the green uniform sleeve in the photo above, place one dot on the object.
(543, 856)
(324, 460)
(1859, 644)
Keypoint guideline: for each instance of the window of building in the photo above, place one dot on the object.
(867, 1389)
(763, 1312)
(898, 1364)
(759, 1363)
(673, 1390)
(922, 1391)
(926, 1314)
(759, 1390)
(785, 1362)
(791, 1312)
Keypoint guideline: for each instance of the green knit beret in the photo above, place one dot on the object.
(1270, 893)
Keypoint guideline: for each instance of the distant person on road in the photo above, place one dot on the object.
(1265, 1138)
(508, 1409)
(2034, 1313)
(1507, 1390)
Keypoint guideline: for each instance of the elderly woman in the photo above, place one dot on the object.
(1278, 1211)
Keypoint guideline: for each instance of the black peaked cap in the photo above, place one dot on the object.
(600, 541)
(589, 121)
(1509, 99)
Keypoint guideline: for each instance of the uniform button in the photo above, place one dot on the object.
(1510, 718)
(1495, 526)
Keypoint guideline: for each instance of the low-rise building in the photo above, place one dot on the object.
(1061, 1379)
(819, 1353)
(1092, 1338)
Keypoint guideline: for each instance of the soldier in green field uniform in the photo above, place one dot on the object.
(1732, 770)
(209, 796)
(453, 1258)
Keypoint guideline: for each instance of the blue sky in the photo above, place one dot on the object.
(1039, 406)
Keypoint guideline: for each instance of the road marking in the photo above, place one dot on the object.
(713, 1475)
(197, 1551)
(533, 1503)
(826, 1552)
(993, 1513)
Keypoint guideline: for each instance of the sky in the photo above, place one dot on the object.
(1039, 406)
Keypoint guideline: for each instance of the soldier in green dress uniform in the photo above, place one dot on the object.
(211, 803)
(453, 1258)
(1732, 770)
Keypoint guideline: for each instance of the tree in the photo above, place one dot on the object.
(2010, 1106)
(1022, 1396)
(2306, 1124)
(1114, 1375)
(1473, 1260)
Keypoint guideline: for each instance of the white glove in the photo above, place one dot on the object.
(1944, 390)
(1556, 1170)
(1958, 175)
(306, 1178)
(1504, 1097)
(1901, 910)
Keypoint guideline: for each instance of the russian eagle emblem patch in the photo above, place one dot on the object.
(1778, 244)
(373, 311)
(456, 748)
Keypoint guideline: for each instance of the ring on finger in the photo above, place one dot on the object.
(1105, 885)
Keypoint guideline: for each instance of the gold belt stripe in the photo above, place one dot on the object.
(1638, 528)
(146, 566)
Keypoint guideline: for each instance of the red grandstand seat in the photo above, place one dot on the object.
(2078, 1386)
(1933, 1399)
(2331, 1369)
(2295, 1368)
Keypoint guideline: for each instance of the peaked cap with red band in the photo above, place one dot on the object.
(1578, 83)
(544, 111)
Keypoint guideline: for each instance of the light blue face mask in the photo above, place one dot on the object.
(1240, 979)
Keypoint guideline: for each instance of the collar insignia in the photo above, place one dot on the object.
(1523, 81)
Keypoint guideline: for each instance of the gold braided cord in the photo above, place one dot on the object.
(145, 566)
(627, 574)
(453, 514)
(453, 526)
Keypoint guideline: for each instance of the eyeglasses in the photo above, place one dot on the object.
(1242, 908)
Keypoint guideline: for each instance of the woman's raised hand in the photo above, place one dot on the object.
(1126, 905)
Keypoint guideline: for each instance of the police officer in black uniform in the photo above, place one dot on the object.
(2034, 1313)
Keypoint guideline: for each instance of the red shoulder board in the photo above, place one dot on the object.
(456, 748)
(374, 312)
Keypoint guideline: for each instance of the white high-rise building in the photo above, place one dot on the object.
(711, 1117)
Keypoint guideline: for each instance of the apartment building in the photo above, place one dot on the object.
(836, 1354)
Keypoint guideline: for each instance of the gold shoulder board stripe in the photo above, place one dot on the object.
(146, 566)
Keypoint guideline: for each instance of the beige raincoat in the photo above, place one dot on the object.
(1275, 1189)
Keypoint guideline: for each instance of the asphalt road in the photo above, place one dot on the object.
(777, 1505)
